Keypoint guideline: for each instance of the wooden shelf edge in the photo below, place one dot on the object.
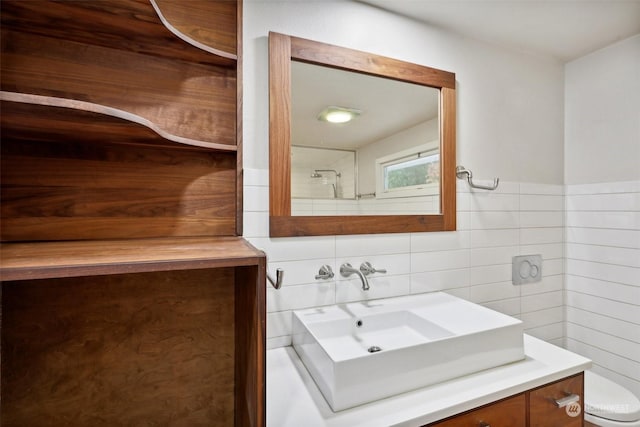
(187, 39)
(48, 101)
(42, 260)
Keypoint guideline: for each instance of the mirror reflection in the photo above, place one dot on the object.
(362, 145)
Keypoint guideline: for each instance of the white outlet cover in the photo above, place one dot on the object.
(526, 269)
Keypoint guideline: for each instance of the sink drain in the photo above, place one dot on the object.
(374, 349)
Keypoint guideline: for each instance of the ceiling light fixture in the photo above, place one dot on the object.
(333, 114)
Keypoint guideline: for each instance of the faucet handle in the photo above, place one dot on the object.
(367, 268)
(325, 272)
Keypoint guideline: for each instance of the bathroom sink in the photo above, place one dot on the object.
(365, 351)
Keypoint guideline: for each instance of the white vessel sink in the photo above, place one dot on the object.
(365, 351)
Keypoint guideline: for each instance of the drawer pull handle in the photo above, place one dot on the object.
(572, 398)
(483, 424)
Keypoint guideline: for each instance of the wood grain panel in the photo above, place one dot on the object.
(330, 225)
(131, 25)
(135, 349)
(448, 156)
(251, 345)
(355, 60)
(64, 190)
(184, 99)
(39, 260)
(509, 412)
(212, 23)
(279, 125)
(543, 411)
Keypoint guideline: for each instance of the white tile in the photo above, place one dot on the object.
(547, 284)
(495, 220)
(543, 189)
(509, 306)
(605, 188)
(621, 347)
(604, 202)
(278, 342)
(380, 287)
(604, 324)
(494, 202)
(543, 301)
(258, 177)
(551, 332)
(548, 316)
(604, 237)
(541, 219)
(490, 274)
(605, 358)
(541, 203)
(463, 202)
(606, 307)
(607, 272)
(493, 292)
(372, 244)
(256, 224)
(491, 238)
(279, 323)
(548, 251)
(256, 199)
(448, 240)
(552, 267)
(434, 261)
(301, 296)
(604, 289)
(614, 220)
(604, 254)
(536, 236)
(296, 248)
(439, 280)
(492, 256)
(463, 221)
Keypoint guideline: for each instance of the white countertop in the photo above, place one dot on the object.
(294, 400)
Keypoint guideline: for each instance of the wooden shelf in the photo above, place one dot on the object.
(155, 28)
(41, 260)
(45, 118)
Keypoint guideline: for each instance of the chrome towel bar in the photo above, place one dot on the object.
(464, 173)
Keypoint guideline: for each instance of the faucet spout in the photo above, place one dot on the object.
(347, 270)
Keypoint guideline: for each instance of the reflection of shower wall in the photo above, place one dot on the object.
(304, 186)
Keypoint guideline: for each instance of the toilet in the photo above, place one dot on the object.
(608, 404)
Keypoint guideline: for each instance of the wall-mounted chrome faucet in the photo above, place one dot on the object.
(347, 270)
(325, 272)
(367, 269)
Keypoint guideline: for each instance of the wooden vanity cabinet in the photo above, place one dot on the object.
(533, 408)
(128, 295)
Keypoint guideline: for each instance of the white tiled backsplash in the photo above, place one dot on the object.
(473, 262)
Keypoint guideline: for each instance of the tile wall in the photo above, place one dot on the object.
(473, 262)
(603, 278)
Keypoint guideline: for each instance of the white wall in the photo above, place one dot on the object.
(602, 115)
(603, 210)
(510, 124)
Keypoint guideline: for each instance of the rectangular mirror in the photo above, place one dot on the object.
(359, 143)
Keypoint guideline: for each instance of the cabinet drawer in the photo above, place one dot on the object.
(543, 410)
(508, 412)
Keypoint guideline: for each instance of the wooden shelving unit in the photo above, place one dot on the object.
(128, 296)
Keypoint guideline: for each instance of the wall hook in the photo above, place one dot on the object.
(279, 276)
(464, 173)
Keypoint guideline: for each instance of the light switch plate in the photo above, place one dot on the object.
(526, 269)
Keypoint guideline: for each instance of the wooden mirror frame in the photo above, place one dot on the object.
(282, 50)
